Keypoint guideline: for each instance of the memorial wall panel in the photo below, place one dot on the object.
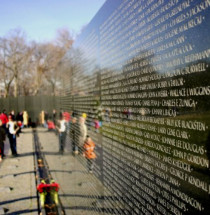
(144, 74)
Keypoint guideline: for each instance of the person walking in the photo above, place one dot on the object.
(2, 139)
(12, 133)
(89, 153)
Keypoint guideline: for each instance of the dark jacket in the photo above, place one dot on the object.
(2, 135)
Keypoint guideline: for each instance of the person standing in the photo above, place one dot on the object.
(12, 133)
(73, 136)
(46, 118)
(12, 113)
(19, 121)
(62, 134)
(67, 117)
(4, 119)
(42, 117)
(81, 133)
(2, 139)
(25, 119)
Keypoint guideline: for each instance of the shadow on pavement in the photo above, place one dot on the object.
(23, 212)
(16, 200)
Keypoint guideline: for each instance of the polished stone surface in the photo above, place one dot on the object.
(144, 71)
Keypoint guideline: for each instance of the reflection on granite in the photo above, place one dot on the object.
(144, 73)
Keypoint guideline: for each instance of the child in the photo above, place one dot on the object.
(97, 125)
(89, 153)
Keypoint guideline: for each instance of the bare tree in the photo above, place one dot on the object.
(56, 55)
(46, 59)
(13, 51)
(26, 79)
(30, 69)
(64, 39)
(7, 76)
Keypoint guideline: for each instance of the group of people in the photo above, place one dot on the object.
(10, 126)
(77, 129)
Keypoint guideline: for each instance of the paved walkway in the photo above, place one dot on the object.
(81, 192)
(17, 178)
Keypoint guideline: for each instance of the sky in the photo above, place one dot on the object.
(40, 19)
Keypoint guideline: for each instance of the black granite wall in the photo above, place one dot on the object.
(142, 69)
(144, 73)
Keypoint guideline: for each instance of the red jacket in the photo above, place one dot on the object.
(50, 125)
(4, 118)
